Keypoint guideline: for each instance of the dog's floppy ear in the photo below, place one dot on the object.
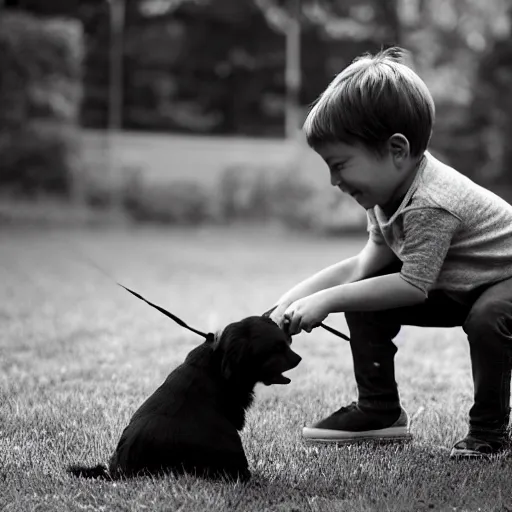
(269, 312)
(232, 347)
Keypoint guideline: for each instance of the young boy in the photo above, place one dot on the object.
(439, 254)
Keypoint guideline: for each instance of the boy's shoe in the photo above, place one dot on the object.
(351, 424)
(472, 447)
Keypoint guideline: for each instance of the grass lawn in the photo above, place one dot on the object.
(78, 355)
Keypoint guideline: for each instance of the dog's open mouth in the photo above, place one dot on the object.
(276, 379)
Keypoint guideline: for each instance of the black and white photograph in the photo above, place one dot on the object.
(255, 255)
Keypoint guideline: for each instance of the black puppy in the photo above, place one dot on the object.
(191, 423)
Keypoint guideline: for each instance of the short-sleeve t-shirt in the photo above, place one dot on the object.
(448, 232)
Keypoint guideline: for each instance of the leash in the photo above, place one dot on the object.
(208, 336)
(334, 331)
(326, 327)
(82, 255)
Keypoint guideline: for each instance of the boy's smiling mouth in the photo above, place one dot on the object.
(352, 193)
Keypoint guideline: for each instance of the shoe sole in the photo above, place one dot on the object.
(469, 454)
(341, 436)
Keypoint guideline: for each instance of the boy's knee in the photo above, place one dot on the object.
(489, 317)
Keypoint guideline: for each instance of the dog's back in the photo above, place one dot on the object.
(180, 427)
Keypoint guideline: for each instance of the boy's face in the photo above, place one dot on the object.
(370, 179)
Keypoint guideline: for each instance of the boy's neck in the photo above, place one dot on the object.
(401, 190)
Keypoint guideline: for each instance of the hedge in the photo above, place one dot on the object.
(40, 94)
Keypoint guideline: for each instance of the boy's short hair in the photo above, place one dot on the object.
(370, 100)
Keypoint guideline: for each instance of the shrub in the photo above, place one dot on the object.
(263, 194)
(244, 193)
(39, 157)
(40, 91)
(179, 202)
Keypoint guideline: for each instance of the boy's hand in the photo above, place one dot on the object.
(305, 314)
(277, 315)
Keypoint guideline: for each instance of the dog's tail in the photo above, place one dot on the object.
(99, 471)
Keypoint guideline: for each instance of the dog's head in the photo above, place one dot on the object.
(255, 350)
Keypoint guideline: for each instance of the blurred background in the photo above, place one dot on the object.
(188, 112)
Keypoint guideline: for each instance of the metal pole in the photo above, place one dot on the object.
(293, 71)
(115, 101)
(115, 91)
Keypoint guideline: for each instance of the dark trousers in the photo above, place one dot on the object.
(487, 321)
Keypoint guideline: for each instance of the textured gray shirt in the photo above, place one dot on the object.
(449, 233)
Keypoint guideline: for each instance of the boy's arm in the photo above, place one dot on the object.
(372, 294)
(375, 293)
(372, 258)
(428, 234)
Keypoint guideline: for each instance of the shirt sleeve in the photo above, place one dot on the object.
(428, 234)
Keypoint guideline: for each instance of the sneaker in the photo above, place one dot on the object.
(472, 447)
(351, 424)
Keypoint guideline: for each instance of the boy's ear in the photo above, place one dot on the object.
(399, 147)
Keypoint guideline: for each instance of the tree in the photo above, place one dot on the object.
(40, 89)
(491, 115)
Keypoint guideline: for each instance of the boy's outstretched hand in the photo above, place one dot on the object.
(305, 314)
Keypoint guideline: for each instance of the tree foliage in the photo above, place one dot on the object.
(40, 90)
(217, 66)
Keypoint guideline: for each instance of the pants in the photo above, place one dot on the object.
(488, 325)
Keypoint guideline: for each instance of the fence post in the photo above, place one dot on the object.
(115, 97)
(293, 70)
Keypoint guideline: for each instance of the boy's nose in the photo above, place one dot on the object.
(335, 179)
